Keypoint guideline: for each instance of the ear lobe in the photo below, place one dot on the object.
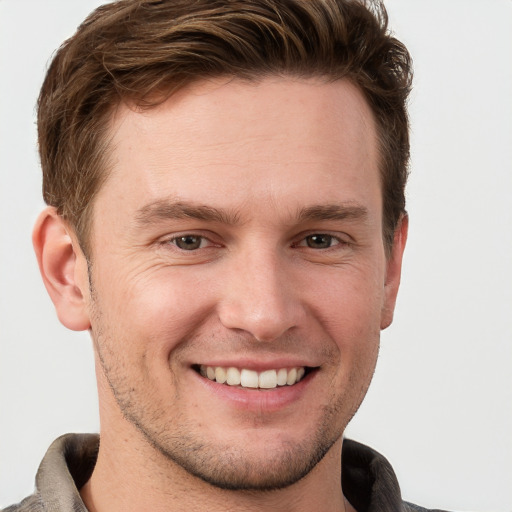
(63, 268)
(394, 272)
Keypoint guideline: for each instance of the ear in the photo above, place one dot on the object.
(63, 267)
(394, 272)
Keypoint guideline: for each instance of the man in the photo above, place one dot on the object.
(226, 216)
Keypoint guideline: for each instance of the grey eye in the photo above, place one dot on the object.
(188, 242)
(320, 241)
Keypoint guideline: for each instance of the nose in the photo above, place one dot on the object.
(260, 296)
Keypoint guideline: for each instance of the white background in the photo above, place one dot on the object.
(440, 406)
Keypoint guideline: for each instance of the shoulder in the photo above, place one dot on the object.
(370, 483)
(65, 468)
(31, 504)
(410, 507)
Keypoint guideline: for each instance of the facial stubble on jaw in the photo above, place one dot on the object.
(224, 467)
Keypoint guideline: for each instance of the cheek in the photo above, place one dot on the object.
(150, 311)
(357, 337)
(350, 307)
(350, 315)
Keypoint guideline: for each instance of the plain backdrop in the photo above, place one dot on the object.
(440, 406)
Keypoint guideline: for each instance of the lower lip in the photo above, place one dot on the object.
(258, 400)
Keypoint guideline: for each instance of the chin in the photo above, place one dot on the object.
(240, 470)
(257, 461)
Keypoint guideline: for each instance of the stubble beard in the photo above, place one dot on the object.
(228, 467)
(235, 468)
(225, 467)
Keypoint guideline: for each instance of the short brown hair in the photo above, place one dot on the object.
(142, 51)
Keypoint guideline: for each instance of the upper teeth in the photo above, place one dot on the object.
(250, 379)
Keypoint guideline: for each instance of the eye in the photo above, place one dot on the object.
(320, 241)
(189, 242)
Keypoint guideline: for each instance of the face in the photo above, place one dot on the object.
(239, 238)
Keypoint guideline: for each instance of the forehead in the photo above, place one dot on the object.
(231, 142)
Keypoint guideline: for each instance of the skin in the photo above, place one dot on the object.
(284, 164)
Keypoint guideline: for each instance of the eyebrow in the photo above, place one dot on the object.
(333, 212)
(164, 210)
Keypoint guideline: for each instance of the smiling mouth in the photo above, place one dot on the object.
(250, 379)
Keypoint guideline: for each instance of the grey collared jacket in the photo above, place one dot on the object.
(369, 482)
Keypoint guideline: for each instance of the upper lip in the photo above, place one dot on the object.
(257, 364)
